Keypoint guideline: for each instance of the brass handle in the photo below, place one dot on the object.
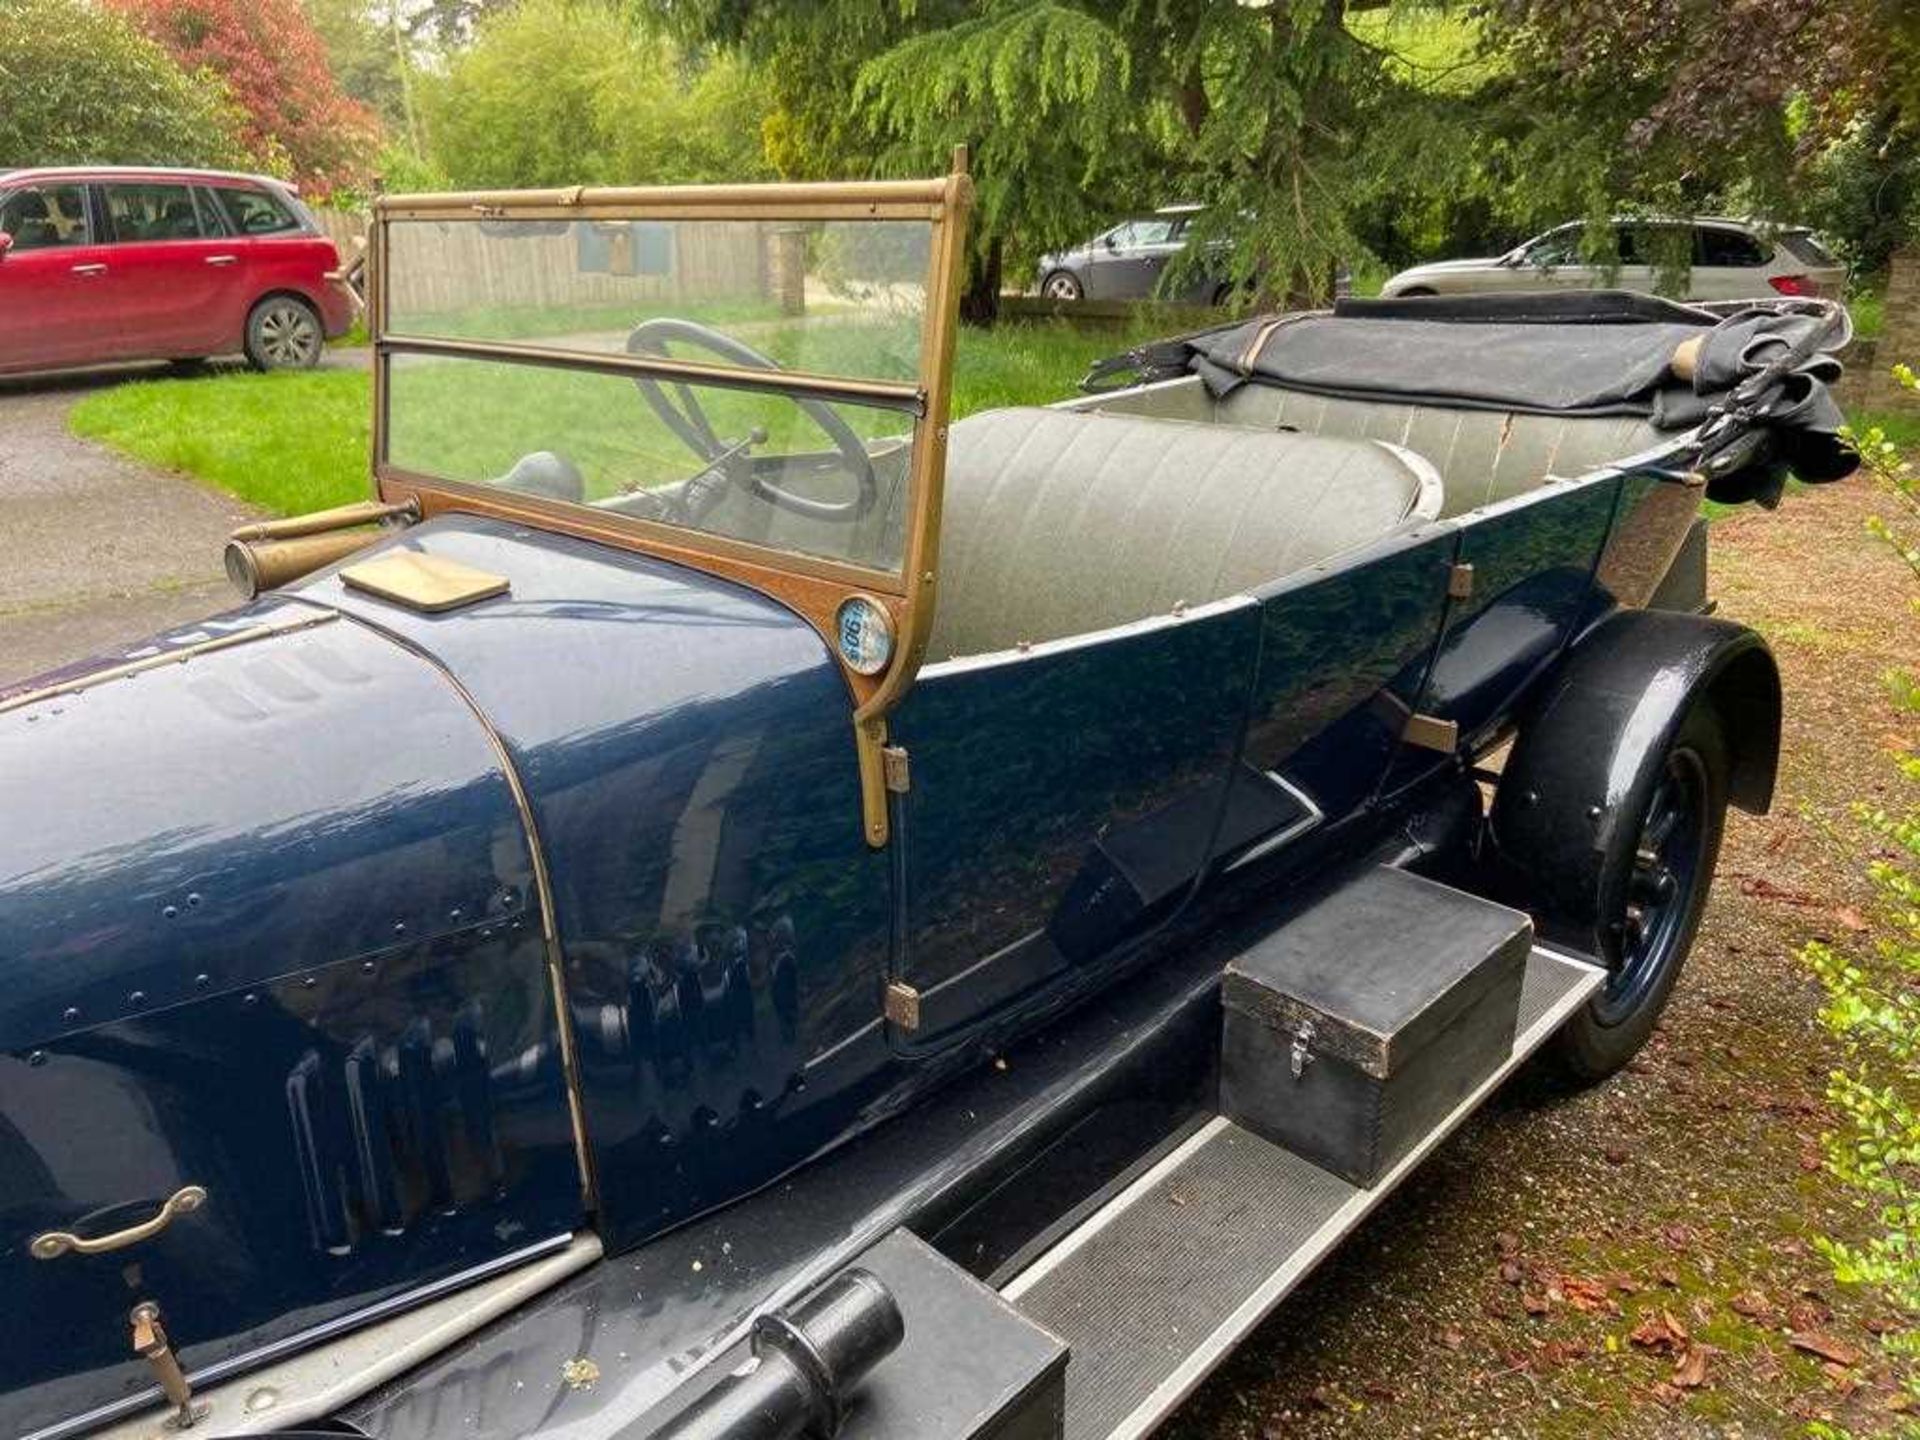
(55, 1243)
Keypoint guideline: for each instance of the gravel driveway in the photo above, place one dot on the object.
(96, 550)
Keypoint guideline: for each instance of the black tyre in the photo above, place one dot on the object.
(1062, 285)
(284, 333)
(1653, 891)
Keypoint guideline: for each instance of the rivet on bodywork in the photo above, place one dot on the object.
(193, 897)
(38, 1057)
(453, 915)
(71, 1015)
(167, 912)
(307, 982)
(1594, 812)
(202, 980)
(399, 927)
(367, 967)
(250, 1000)
(137, 997)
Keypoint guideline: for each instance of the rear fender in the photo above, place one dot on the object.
(1592, 742)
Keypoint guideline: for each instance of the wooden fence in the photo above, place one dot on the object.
(444, 266)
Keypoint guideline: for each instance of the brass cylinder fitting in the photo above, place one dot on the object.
(340, 517)
(270, 553)
(256, 565)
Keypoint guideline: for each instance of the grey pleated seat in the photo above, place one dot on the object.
(1484, 455)
(1059, 522)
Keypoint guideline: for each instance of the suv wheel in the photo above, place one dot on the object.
(283, 333)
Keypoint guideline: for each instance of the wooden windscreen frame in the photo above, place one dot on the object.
(813, 588)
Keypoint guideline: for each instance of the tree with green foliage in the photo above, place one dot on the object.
(1278, 116)
(82, 86)
(1653, 106)
(557, 92)
(370, 46)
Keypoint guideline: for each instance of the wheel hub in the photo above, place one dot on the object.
(1668, 862)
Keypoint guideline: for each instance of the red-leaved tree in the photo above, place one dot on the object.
(297, 118)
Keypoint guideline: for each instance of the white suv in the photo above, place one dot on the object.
(1731, 260)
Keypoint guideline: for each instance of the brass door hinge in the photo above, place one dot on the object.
(1430, 732)
(1460, 582)
(899, 775)
(903, 1005)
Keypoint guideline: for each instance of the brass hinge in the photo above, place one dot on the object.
(903, 1005)
(1430, 732)
(893, 762)
(1460, 582)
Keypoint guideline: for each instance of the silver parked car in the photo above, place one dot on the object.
(1127, 262)
(1731, 260)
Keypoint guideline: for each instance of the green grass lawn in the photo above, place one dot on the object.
(295, 442)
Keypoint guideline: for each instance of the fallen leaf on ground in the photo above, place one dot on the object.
(1753, 1305)
(1848, 918)
(1534, 1304)
(1507, 1243)
(1691, 1372)
(1837, 1352)
(1659, 1332)
(1766, 890)
(1587, 1295)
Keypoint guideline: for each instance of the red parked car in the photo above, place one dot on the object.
(116, 263)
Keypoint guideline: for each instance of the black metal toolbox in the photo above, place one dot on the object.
(1352, 1029)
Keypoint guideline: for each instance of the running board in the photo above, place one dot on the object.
(1157, 1286)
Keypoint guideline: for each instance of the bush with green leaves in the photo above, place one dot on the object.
(571, 92)
(1873, 990)
(82, 86)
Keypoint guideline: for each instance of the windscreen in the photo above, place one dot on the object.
(752, 379)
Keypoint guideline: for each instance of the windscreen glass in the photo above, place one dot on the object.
(746, 454)
(813, 477)
(844, 298)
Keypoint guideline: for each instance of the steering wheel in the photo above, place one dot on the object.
(688, 420)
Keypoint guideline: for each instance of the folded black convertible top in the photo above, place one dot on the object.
(1767, 364)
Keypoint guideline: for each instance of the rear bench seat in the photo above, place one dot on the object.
(1483, 455)
(1057, 522)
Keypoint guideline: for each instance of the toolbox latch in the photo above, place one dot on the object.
(1300, 1053)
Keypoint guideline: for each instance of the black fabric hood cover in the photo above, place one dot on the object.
(1585, 353)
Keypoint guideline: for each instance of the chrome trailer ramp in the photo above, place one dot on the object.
(1158, 1285)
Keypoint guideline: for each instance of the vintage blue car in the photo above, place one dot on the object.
(703, 910)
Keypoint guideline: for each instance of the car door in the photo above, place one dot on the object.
(1552, 262)
(1729, 264)
(1120, 265)
(1062, 800)
(178, 275)
(1156, 254)
(57, 288)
